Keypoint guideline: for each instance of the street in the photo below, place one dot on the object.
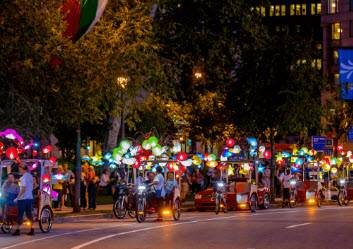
(304, 227)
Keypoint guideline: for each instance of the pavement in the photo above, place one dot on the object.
(328, 227)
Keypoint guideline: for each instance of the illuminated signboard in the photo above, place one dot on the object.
(345, 60)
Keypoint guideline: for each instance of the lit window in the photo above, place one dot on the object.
(292, 9)
(283, 10)
(303, 9)
(335, 56)
(318, 9)
(272, 10)
(319, 64)
(313, 9)
(332, 6)
(263, 11)
(278, 10)
(336, 31)
(298, 9)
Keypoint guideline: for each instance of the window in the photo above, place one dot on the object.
(313, 9)
(318, 64)
(336, 31)
(335, 56)
(278, 10)
(263, 11)
(303, 9)
(283, 10)
(297, 9)
(332, 6)
(292, 9)
(272, 10)
(318, 9)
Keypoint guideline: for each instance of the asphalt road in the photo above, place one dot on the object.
(328, 227)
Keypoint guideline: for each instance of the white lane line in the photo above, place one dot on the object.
(168, 225)
(298, 225)
(60, 235)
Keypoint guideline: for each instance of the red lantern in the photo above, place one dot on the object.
(1, 146)
(46, 178)
(230, 142)
(137, 164)
(52, 159)
(267, 154)
(182, 156)
(46, 149)
(34, 153)
(11, 153)
(182, 169)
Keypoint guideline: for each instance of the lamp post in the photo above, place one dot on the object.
(122, 82)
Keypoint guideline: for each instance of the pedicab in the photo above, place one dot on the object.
(243, 189)
(145, 200)
(309, 189)
(42, 211)
(345, 185)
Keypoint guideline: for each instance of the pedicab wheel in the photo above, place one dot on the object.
(46, 219)
(253, 203)
(6, 228)
(267, 201)
(141, 212)
(131, 213)
(292, 201)
(341, 198)
(176, 209)
(119, 209)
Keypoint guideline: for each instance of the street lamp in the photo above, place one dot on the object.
(198, 75)
(122, 81)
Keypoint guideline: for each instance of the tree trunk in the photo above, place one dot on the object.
(272, 164)
(113, 133)
(76, 206)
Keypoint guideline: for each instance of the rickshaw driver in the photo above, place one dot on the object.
(24, 200)
(158, 182)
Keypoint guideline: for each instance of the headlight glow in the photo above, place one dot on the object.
(342, 181)
(220, 184)
(242, 198)
(293, 182)
(141, 187)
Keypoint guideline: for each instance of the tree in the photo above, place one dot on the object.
(202, 41)
(277, 91)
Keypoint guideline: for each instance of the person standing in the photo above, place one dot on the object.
(58, 186)
(84, 182)
(158, 182)
(104, 181)
(69, 183)
(92, 188)
(25, 200)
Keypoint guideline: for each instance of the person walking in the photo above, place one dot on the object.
(25, 200)
(92, 188)
(158, 182)
(84, 183)
(69, 184)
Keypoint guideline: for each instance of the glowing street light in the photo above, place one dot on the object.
(198, 75)
(122, 81)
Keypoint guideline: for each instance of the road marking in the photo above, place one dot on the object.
(298, 225)
(60, 235)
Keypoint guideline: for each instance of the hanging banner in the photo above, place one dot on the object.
(345, 61)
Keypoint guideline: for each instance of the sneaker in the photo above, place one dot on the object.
(16, 233)
(31, 232)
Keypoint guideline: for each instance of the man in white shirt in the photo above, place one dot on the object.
(158, 182)
(25, 200)
(285, 180)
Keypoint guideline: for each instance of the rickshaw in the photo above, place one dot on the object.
(309, 189)
(243, 191)
(42, 212)
(345, 184)
(172, 205)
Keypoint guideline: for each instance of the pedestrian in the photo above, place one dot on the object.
(266, 180)
(10, 191)
(24, 200)
(69, 184)
(57, 181)
(104, 181)
(285, 180)
(92, 188)
(170, 185)
(84, 183)
(158, 182)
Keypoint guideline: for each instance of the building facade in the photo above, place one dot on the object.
(337, 24)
